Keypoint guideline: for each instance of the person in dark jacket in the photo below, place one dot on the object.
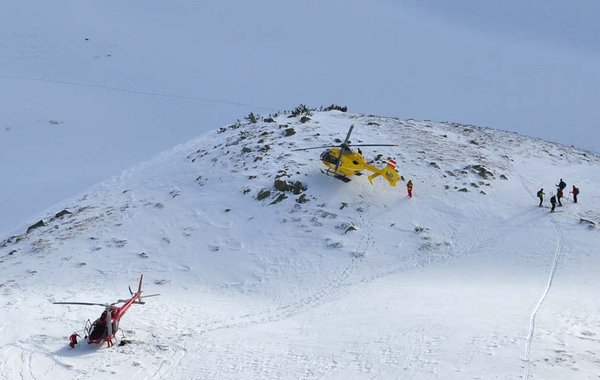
(553, 202)
(575, 192)
(540, 194)
(559, 195)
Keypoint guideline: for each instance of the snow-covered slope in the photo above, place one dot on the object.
(468, 279)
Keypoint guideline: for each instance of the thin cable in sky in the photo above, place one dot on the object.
(139, 92)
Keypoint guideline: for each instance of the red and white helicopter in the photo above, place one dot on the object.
(106, 326)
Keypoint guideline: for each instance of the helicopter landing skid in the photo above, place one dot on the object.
(335, 175)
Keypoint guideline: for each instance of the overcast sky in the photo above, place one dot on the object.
(88, 89)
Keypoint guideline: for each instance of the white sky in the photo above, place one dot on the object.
(75, 111)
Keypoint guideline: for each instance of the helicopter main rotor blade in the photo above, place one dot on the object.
(339, 160)
(372, 145)
(316, 147)
(81, 303)
(141, 297)
(150, 295)
(349, 133)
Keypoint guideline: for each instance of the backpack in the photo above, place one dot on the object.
(576, 190)
(540, 194)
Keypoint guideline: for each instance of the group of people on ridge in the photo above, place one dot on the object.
(554, 199)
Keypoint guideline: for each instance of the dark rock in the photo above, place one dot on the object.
(279, 198)
(281, 185)
(350, 228)
(336, 107)
(269, 120)
(300, 110)
(302, 199)
(264, 193)
(298, 187)
(304, 119)
(502, 176)
(62, 213)
(246, 150)
(36, 225)
(12, 240)
(289, 132)
(481, 170)
(464, 190)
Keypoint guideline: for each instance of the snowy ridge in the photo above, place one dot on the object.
(319, 279)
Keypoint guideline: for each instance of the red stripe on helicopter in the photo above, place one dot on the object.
(392, 163)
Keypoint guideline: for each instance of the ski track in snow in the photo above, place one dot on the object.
(557, 254)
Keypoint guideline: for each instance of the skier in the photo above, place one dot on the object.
(575, 192)
(553, 202)
(73, 339)
(559, 195)
(540, 194)
(409, 188)
(561, 185)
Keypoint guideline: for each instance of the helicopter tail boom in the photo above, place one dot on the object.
(389, 172)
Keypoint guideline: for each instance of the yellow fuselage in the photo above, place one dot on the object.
(352, 162)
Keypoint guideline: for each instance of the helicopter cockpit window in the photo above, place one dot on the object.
(328, 157)
(98, 330)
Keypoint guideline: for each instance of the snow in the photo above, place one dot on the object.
(481, 284)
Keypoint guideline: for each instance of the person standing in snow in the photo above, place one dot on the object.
(73, 340)
(575, 191)
(540, 194)
(553, 202)
(559, 195)
(409, 188)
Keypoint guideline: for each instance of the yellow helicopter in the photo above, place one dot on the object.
(341, 161)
